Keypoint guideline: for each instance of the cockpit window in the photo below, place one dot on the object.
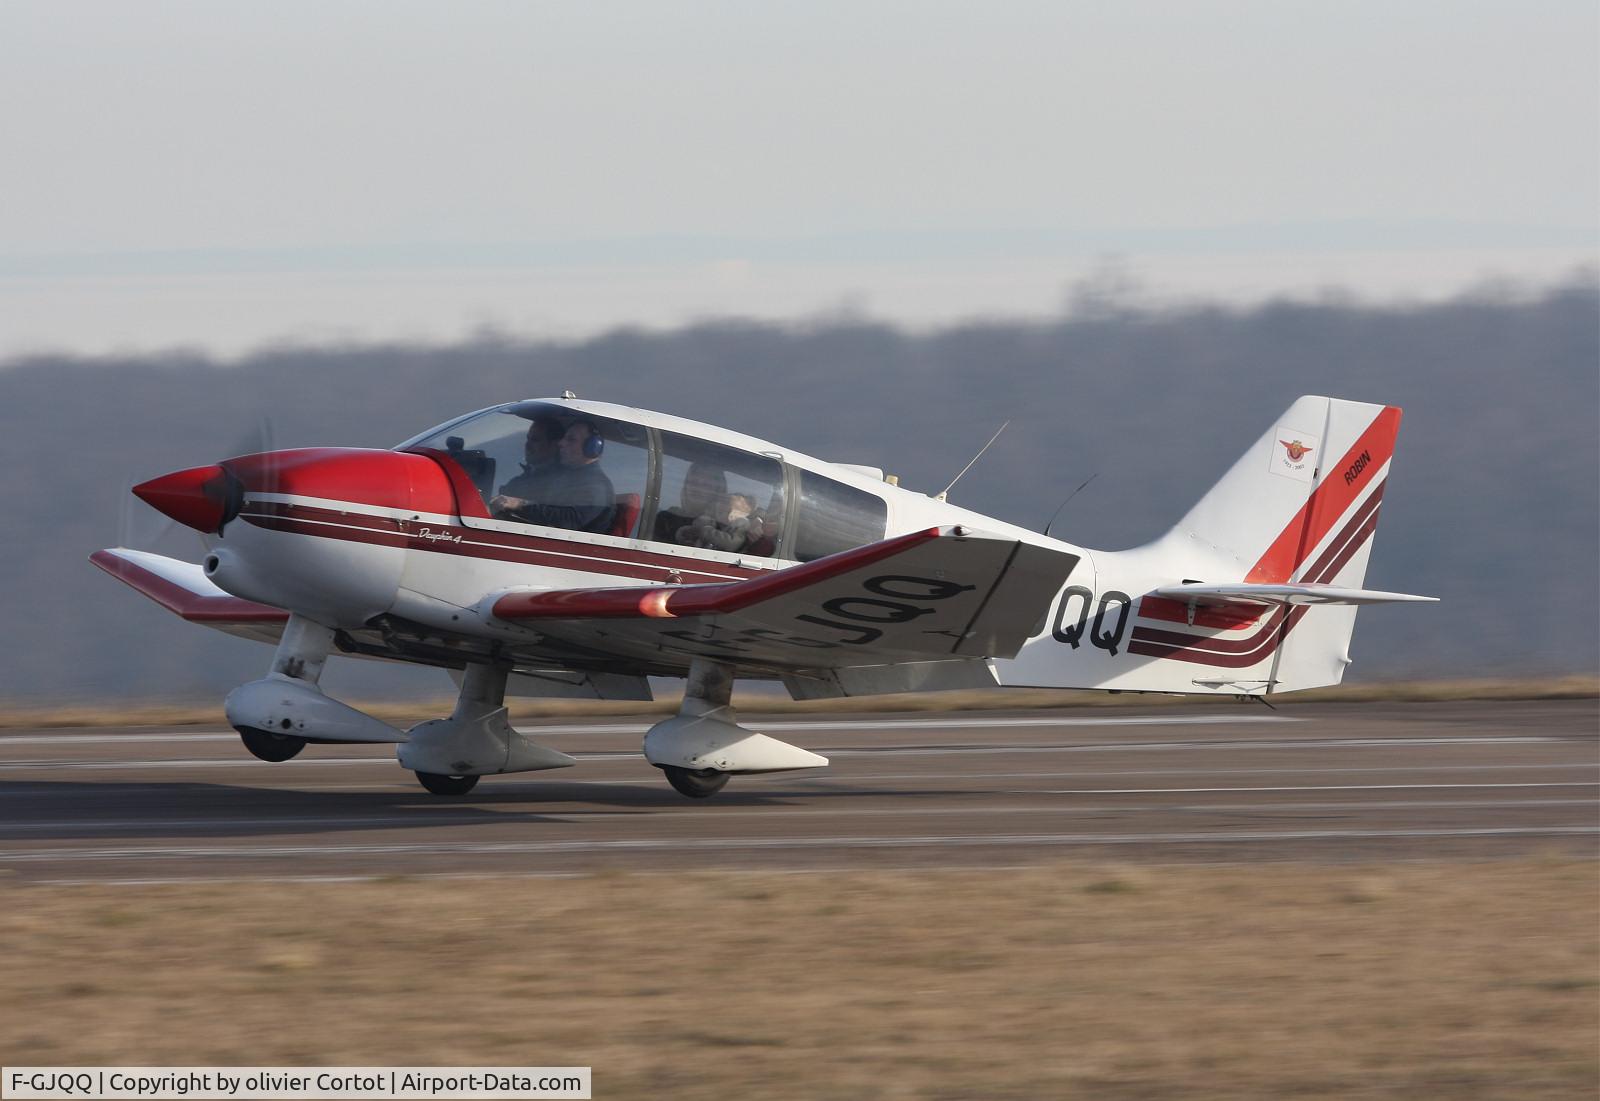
(547, 465)
(552, 466)
(833, 517)
(719, 498)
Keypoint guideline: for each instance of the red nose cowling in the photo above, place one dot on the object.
(209, 497)
(203, 498)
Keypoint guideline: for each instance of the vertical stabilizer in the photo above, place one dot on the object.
(1300, 506)
(1293, 516)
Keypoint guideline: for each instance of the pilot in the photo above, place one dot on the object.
(576, 494)
(540, 459)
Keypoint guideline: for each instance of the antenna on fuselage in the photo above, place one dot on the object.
(1056, 515)
(945, 492)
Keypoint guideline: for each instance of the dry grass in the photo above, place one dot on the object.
(1581, 686)
(1460, 981)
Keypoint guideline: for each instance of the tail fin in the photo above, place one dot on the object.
(1254, 591)
(1299, 507)
(1289, 490)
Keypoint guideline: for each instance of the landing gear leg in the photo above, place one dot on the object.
(448, 755)
(703, 744)
(301, 654)
(483, 692)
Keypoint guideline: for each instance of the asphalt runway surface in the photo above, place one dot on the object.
(1234, 784)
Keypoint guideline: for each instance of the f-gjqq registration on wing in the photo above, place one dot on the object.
(575, 548)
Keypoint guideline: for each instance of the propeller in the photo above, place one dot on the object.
(256, 439)
(140, 526)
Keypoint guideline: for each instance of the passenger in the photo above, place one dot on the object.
(577, 495)
(540, 459)
(704, 486)
(763, 533)
(735, 526)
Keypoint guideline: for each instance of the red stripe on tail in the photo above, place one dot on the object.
(1341, 484)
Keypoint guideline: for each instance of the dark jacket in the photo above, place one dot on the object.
(578, 498)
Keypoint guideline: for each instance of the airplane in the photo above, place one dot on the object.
(572, 548)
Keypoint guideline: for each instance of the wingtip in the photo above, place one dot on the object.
(107, 558)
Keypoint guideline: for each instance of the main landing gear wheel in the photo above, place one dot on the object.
(441, 784)
(696, 783)
(269, 746)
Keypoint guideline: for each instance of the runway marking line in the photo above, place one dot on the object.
(861, 752)
(734, 844)
(512, 782)
(506, 816)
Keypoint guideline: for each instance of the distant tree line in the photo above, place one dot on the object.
(1494, 503)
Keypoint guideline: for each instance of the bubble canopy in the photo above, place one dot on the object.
(551, 465)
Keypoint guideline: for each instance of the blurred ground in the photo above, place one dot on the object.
(1405, 980)
(1332, 900)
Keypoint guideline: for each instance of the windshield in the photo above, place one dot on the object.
(543, 464)
(547, 465)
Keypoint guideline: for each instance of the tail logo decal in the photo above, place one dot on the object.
(1295, 461)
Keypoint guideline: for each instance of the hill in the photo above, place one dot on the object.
(1493, 505)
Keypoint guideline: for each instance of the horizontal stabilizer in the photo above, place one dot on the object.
(1214, 595)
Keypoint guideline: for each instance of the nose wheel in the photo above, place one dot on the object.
(696, 783)
(441, 784)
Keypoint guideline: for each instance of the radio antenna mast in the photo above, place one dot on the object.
(945, 492)
(1056, 515)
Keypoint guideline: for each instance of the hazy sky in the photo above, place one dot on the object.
(222, 174)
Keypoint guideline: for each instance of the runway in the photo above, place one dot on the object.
(1323, 782)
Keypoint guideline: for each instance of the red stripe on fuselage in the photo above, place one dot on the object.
(1324, 569)
(1177, 611)
(360, 527)
(1240, 653)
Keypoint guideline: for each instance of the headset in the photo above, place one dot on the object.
(594, 445)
